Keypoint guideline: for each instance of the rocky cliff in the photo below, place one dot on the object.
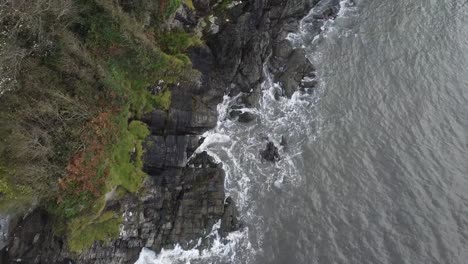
(184, 196)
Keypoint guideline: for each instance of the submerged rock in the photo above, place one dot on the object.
(270, 153)
(246, 117)
(241, 115)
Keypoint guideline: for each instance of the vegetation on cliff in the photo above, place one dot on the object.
(72, 76)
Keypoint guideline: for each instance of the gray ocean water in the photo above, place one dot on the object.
(376, 166)
(387, 180)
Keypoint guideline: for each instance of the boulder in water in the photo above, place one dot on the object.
(270, 153)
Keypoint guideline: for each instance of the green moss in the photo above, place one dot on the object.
(177, 42)
(163, 99)
(125, 166)
(172, 7)
(125, 169)
(189, 4)
(138, 129)
(83, 234)
(120, 192)
(183, 58)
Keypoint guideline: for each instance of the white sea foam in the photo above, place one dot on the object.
(307, 35)
(218, 251)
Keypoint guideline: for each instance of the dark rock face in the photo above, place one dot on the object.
(270, 153)
(179, 202)
(230, 219)
(257, 36)
(165, 152)
(182, 199)
(176, 206)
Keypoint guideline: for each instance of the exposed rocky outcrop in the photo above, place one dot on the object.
(182, 199)
(243, 117)
(254, 35)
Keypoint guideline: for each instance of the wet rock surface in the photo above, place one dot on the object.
(253, 37)
(270, 153)
(246, 117)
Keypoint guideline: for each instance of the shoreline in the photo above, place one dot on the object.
(182, 199)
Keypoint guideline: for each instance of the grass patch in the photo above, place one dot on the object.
(10, 191)
(12, 196)
(126, 164)
(169, 6)
(163, 99)
(84, 231)
(177, 42)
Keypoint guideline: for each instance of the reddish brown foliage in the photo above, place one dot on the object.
(83, 167)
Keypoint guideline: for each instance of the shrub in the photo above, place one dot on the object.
(177, 42)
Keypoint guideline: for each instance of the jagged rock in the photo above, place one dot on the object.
(194, 141)
(234, 113)
(297, 68)
(230, 221)
(270, 153)
(243, 117)
(252, 37)
(165, 152)
(203, 160)
(283, 141)
(326, 9)
(156, 121)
